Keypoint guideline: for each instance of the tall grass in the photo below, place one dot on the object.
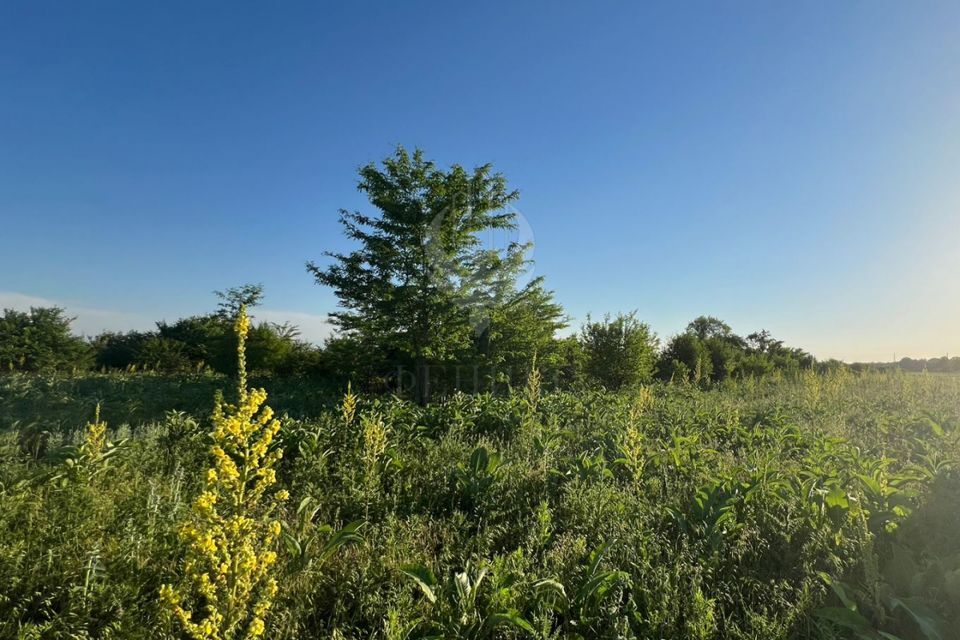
(815, 506)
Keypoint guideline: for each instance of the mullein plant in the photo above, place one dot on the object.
(375, 440)
(230, 535)
(95, 437)
(88, 459)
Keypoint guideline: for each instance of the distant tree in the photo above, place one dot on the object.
(686, 357)
(420, 272)
(40, 340)
(706, 327)
(726, 355)
(709, 350)
(348, 359)
(620, 351)
(302, 359)
(755, 364)
(120, 350)
(166, 355)
(270, 348)
(232, 299)
(832, 364)
(206, 339)
(763, 342)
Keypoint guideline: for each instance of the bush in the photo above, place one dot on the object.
(119, 350)
(40, 340)
(620, 352)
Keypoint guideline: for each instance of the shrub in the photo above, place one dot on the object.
(40, 340)
(620, 351)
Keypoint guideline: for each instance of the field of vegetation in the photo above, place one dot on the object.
(790, 506)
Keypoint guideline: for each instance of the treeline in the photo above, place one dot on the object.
(425, 307)
(41, 340)
(943, 364)
(614, 352)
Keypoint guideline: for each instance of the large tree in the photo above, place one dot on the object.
(422, 282)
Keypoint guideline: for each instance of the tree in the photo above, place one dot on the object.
(165, 354)
(520, 335)
(709, 327)
(234, 299)
(346, 358)
(763, 342)
(709, 350)
(421, 281)
(205, 339)
(725, 356)
(120, 350)
(571, 361)
(40, 340)
(620, 352)
(686, 357)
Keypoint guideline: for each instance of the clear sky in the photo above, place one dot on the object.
(793, 166)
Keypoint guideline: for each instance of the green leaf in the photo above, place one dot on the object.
(839, 589)
(346, 536)
(837, 498)
(511, 618)
(424, 578)
(292, 544)
(928, 621)
(553, 590)
(845, 618)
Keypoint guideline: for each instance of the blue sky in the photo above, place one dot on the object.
(789, 166)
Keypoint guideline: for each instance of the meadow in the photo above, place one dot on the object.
(788, 506)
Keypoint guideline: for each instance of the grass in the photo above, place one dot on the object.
(815, 507)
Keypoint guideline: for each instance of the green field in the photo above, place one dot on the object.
(790, 507)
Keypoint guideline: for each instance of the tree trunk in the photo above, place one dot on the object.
(422, 378)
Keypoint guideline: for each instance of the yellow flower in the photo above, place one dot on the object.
(206, 501)
(96, 436)
(168, 595)
(229, 541)
(256, 628)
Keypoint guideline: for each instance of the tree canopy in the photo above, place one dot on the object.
(421, 283)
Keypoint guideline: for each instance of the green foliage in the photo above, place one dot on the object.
(120, 350)
(461, 606)
(40, 340)
(709, 350)
(201, 342)
(686, 357)
(619, 352)
(943, 364)
(518, 335)
(742, 510)
(707, 327)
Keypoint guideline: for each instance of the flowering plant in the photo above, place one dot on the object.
(230, 535)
